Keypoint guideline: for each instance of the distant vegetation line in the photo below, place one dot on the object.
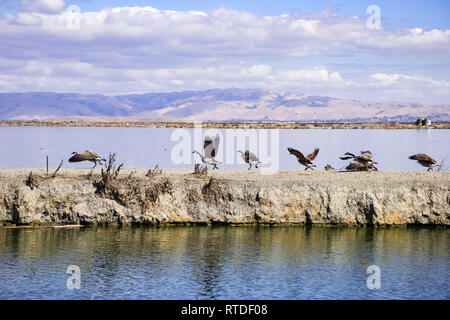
(230, 125)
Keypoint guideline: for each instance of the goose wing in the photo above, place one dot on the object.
(362, 159)
(208, 146)
(313, 155)
(216, 145)
(211, 146)
(347, 156)
(366, 154)
(299, 155)
(422, 157)
(90, 154)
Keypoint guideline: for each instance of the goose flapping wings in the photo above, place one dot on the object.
(86, 155)
(423, 157)
(425, 160)
(366, 156)
(300, 157)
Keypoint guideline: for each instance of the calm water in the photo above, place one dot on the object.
(201, 262)
(146, 147)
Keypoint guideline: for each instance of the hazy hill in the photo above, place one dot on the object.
(215, 104)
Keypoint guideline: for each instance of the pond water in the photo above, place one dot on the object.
(27, 147)
(225, 262)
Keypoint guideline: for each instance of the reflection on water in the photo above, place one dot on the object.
(27, 147)
(200, 262)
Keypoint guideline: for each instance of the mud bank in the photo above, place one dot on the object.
(225, 196)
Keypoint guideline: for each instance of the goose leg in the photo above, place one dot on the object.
(250, 166)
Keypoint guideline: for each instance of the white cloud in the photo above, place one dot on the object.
(64, 76)
(407, 80)
(221, 33)
(315, 75)
(139, 49)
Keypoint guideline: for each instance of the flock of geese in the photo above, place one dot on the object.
(362, 162)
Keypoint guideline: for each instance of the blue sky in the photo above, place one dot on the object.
(397, 13)
(317, 47)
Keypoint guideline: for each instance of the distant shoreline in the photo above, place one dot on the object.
(228, 125)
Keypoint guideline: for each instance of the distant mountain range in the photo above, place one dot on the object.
(212, 105)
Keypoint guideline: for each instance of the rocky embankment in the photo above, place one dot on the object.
(224, 196)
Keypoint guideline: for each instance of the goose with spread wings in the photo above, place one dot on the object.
(86, 155)
(211, 147)
(365, 157)
(362, 162)
(306, 161)
(425, 161)
(250, 158)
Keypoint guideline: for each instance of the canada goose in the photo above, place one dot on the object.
(211, 148)
(86, 156)
(329, 168)
(250, 158)
(306, 161)
(425, 160)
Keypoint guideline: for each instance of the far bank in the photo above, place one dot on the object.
(226, 125)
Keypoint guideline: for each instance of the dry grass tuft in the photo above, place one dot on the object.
(33, 180)
(213, 192)
(152, 173)
(200, 171)
(131, 191)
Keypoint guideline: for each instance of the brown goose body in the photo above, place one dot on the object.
(424, 160)
(250, 158)
(359, 166)
(306, 161)
(329, 168)
(86, 155)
